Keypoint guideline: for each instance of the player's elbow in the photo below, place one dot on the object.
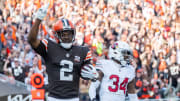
(34, 42)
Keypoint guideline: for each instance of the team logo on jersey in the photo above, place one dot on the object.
(76, 58)
(114, 46)
(67, 55)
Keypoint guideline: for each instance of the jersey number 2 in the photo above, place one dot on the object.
(116, 85)
(68, 69)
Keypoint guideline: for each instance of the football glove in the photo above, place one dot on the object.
(41, 13)
(88, 71)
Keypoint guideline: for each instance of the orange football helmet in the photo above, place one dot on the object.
(65, 32)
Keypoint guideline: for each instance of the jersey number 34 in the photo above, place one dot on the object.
(117, 85)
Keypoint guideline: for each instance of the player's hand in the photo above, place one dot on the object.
(41, 13)
(88, 71)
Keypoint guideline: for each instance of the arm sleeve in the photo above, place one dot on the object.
(133, 97)
(42, 48)
(131, 73)
(88, 55)
(92, 89)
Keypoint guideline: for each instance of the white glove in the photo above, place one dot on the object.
(41, 13)
(92, 90)
(89, 72)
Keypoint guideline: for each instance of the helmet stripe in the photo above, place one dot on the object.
(68, 23)
(65, 23)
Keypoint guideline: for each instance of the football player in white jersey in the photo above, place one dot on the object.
(116, 75)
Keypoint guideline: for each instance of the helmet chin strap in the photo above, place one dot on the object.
(66, 45)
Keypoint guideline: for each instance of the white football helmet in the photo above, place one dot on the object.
(121, 52)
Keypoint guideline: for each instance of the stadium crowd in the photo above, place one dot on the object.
(151, 27)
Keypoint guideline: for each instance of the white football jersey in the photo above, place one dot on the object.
(116, 78)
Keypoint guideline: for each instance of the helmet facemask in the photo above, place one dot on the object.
(127, 56)
(121, 53)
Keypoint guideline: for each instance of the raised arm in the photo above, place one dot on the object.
(32, 38)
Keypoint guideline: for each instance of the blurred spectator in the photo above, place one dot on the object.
(17, 71)
(144, 91)
(174, 70)
(1, 12)
(27, 79)
(3, 57)
(171, 92)
(84, 90)
(28, 55)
